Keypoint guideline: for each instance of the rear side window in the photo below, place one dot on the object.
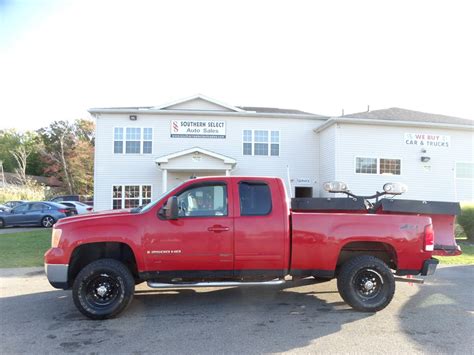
(255, 199)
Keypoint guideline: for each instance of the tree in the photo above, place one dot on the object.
(69, 150)
(11, 141)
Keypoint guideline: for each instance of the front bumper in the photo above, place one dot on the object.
(429, 267)
(57, 275)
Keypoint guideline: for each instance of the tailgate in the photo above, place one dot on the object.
(443, 216)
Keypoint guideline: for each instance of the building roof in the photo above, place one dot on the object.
(275, 110)
(211, 106)
(400, 114)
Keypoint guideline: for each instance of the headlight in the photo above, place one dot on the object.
(55, 237)
(395, 188)
(335, 186)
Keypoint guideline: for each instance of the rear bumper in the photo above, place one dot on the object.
(429, 267)
(57, 275)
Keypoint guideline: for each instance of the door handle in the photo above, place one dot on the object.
(218, 229)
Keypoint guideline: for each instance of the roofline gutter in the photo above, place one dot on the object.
(371, 122)
(96, 111)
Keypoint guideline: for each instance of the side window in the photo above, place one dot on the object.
(203, 201)
(21, 208)
(36, 207)
(255, 199)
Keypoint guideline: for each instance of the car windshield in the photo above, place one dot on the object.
(148, 206)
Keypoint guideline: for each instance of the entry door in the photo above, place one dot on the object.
(200, 242)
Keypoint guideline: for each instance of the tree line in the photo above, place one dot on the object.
(63, 149)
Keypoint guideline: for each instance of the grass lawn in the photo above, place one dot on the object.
(24, 249)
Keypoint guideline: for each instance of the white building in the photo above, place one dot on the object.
(143, 151)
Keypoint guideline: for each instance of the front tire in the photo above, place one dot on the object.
(366, 283)
(103, 289)
(2, 223)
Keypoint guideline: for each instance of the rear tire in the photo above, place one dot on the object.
(47, 221)
(366, 283)
(103, 289)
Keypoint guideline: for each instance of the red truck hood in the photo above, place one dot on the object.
(93, 215)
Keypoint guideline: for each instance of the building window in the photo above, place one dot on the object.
(261, 142)
(136, 140)
(378, 166)
(465, 170)
(147, 139)
(390, 166)
(129, 196)
(118, 140)
(366, 165)
(133, 139)
(247, 142)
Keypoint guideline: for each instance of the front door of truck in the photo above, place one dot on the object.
(200, 242)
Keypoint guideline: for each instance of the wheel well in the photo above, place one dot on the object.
(87, 253)
(382, 251)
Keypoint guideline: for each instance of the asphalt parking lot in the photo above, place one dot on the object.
(437, 317)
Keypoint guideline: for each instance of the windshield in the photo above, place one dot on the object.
(148, 206)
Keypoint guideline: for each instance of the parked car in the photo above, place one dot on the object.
(240, 231)
(35, 214)
(4, 208)
(12, 204)
(80, 206)
(81, 198)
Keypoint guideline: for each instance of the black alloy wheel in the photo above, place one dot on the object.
(103, 289)
(366, 283)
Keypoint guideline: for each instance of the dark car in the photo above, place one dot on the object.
(35, 214)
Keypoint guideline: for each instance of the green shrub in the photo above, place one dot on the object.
(466, 221)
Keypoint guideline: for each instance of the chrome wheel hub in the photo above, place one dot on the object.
(101, 291)
(369, 285)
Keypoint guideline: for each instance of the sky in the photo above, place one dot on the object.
(59, 58)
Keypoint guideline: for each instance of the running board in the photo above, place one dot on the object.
(153, 284)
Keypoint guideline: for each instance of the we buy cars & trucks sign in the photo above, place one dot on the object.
(427, 140)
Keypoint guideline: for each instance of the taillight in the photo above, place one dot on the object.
(62, 210)
(89, 208)
(429, 238)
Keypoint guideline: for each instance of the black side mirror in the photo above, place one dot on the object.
(171, 208)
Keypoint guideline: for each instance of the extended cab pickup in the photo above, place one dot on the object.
(233, 231)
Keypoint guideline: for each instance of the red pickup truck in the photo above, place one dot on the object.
(234, 231)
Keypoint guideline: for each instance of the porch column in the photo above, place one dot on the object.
(227, 172)
(164, 180)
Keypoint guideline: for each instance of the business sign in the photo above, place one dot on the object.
(427, 140)
(302, 182)
(197, 129)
